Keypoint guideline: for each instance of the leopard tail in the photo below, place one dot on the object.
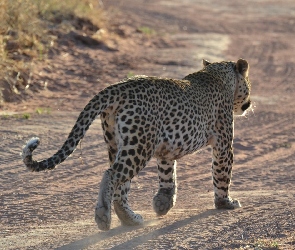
(94, 107)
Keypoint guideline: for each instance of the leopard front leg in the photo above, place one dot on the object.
(165, 198)
(222, 160)
(122, 208)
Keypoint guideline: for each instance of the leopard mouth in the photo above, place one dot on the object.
(246, 106)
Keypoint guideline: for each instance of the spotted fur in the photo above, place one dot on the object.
(146, 117)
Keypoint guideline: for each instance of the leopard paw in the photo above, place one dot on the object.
(226, 203)
(103, 218)
(126, 215)
(164, 200)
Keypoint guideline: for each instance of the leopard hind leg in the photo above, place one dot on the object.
(119, 194)
(122, 207)
(113, 181)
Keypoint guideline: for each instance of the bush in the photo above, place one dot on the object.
(28, 30)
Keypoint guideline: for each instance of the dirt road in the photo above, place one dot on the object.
(55, 210)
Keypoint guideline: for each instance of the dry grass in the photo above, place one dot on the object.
(27, 32)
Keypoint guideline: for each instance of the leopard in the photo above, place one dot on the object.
(146, 117)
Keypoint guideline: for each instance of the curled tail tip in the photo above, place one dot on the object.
(30, 146)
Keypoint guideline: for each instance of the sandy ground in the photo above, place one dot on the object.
(55, 210)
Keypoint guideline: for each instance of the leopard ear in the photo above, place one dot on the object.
(205, 63)
(242, 67)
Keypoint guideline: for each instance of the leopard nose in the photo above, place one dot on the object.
(246, 105)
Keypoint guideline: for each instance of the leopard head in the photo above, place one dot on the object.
(243, 88)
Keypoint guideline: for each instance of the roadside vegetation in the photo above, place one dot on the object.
(30, 28)
(38, 111)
